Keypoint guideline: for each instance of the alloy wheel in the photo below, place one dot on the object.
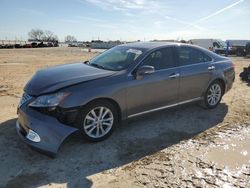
(214, 94)
(98, 122)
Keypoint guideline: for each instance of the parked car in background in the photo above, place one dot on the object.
(238, 47)
(9, 46)
(124, 82)
(17, 46)
(248, 48)
(50, 44)
(55, 44)
(72, 45)
(34, 45)
(42, 45)
(81, 45)
(27, 46)
(215, 45)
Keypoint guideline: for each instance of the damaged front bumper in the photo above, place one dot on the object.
(42, 132)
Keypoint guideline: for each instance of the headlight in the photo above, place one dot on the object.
(49, 100)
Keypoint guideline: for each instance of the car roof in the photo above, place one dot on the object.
(150, 45)
(147, 46)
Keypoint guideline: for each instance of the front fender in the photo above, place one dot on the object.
(87, 92)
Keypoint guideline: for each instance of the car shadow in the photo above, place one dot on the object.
(77, 159)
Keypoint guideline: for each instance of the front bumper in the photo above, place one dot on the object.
(51, 132)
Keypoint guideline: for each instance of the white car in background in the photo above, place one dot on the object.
(216, 45)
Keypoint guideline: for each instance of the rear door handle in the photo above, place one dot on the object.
(210, 68)
(174, 75)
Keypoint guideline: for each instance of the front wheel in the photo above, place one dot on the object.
(97, 120)
(213, 95)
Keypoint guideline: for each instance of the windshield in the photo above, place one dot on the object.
(222, 43)
(117, 58)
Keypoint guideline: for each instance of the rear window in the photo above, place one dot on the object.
(188, 56)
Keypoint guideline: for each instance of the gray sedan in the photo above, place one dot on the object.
(124, 82)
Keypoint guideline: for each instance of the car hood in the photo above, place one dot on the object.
(54, 78)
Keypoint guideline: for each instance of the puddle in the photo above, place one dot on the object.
(138, 148)
(233, 152)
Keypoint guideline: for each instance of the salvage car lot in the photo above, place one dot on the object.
(151, 150)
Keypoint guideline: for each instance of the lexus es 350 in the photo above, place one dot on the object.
(129, 80)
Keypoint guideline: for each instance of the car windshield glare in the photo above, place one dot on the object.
(116, 59)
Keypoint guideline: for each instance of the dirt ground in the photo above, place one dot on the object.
(186, 146)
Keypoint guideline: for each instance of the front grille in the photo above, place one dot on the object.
(25, 98)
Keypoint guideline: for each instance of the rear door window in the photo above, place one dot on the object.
(189, 56)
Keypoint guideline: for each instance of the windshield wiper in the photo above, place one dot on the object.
(100, 66)
(97, 65)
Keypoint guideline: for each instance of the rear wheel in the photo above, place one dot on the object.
(97, 120)
(239, 53)
(213, 95)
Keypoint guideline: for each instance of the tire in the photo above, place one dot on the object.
(213, 95)
(95, 127)
(239, 53)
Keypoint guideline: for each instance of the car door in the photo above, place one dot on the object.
(195, 72)
(155, 90)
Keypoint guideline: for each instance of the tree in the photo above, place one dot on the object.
(40, 35)
(49, 36)
(36, 34)
(70, 38)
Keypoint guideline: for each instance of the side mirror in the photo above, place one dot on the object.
(144, 70)
(86, 62)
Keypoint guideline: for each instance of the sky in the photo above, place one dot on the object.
(127, 20)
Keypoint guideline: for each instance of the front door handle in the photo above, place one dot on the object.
(210, 68)
(174, 75)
